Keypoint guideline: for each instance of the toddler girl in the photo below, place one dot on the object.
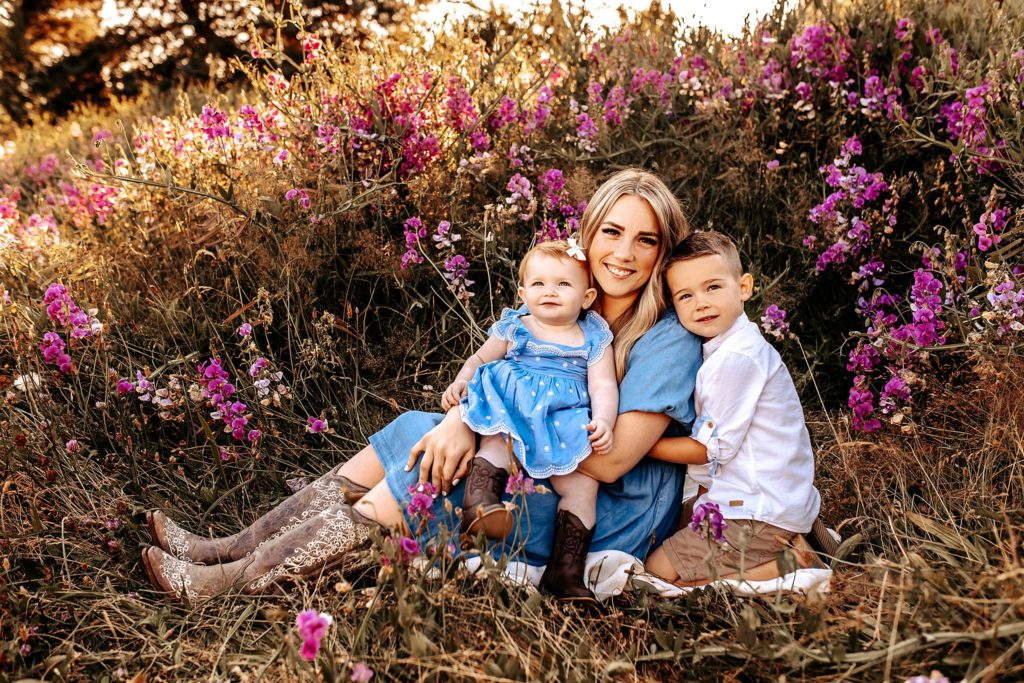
(543, 383)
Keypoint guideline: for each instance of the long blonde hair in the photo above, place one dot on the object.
(673, 227)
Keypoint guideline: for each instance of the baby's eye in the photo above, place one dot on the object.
(537, 284)
(564, 283)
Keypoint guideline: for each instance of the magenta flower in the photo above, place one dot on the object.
(124, 386)
(361, 673)
(520, 483)
(423, 496)
(774, 322)
(245, 330)
(312, 628)
(314, 425)
(72, 446)
(708, 514)
(772, 165)
(254, 435)
(409, 547)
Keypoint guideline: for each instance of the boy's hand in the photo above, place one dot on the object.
(600, 435)
(453, 394)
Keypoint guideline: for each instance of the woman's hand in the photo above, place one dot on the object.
(453, 394)
(447, 452)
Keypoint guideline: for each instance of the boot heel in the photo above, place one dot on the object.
(482, 508)
(563, 577)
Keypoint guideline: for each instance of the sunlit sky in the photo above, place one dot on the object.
(724, 15)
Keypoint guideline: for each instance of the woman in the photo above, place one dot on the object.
(632, 221)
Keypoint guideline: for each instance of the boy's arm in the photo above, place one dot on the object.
(729, 403)
(493, 349)
(683, 450)
(603, 389)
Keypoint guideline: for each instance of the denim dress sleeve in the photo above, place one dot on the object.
(635, 513)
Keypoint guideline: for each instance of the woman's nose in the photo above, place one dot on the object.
(624, 250)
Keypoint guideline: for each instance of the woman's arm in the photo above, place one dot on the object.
(447, 450)
(634, 434)
(682, 450)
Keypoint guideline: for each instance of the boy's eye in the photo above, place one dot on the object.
(711, 288)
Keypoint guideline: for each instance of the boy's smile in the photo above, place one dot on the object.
(707, 294)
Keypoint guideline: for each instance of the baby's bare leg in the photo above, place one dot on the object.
(578, 495)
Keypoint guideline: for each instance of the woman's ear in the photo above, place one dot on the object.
(589, 297)
(746, 286)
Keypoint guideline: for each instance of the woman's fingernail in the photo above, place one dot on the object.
(455, 482)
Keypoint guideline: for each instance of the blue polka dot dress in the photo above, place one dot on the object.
(537, 394)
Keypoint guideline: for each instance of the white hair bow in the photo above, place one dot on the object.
(576, 251)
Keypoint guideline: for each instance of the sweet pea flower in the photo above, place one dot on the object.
(314, 425)
(710, 513)
(361, 673)
(245, 330)
(312, 628)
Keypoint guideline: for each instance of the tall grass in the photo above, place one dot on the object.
(288, 206)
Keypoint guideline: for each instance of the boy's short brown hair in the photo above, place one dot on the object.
(558, 249)
(707, 243)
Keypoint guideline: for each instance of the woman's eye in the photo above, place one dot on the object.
(610, 231)
(649, 241)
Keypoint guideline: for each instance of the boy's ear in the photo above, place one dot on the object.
(746, 286)
(589, 297)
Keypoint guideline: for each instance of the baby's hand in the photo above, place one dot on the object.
(453, 394)
(600, 435)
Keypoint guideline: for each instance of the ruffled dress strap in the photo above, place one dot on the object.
(598, 335)
(510, 327)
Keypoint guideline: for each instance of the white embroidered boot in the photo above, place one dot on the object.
(330, 489)
(303, 550)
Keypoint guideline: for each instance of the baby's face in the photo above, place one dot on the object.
(707, 294)
(555, 289)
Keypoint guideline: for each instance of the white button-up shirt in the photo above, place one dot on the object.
(760, 462)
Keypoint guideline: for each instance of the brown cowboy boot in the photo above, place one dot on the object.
(563, 577)
(482, 509)
(330, 489)
(301, 551)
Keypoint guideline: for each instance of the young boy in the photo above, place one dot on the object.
(751, 453)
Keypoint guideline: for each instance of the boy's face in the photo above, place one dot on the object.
(555, 289)
(707, 295)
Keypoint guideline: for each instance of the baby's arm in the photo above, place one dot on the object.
(493, 349)
(604, 401)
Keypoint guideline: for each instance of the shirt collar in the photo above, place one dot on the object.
(713, 344)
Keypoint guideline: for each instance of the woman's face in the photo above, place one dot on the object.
(624, 249)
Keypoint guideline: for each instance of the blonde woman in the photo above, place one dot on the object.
(630, 224)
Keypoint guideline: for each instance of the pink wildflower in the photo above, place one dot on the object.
(312, 628)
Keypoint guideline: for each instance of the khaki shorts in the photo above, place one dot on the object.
(749, 543)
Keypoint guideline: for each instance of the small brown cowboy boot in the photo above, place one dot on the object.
(330, 489)
(302, 551)
(563, 577)
(482, 509)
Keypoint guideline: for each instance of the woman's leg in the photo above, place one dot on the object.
(345, 483)
(321, 540)
(574, 529)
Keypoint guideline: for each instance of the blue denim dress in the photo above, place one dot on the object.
(634, 514)
(537, 394)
